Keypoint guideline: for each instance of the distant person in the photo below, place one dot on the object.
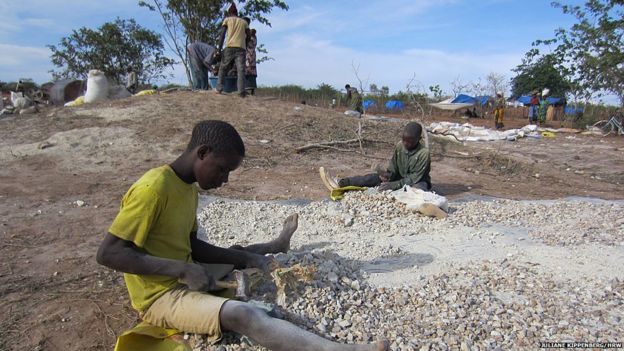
(499, 110)
(533, 108)
(201, 57)
(237, 31)
(251, 73)
(131, 81)
(543, 106)
(354, 99)
(410, 165)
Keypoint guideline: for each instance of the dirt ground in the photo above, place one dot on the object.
(65, 170)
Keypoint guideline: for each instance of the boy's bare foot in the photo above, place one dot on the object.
(432, 210)
(329, 182)
(290, 226)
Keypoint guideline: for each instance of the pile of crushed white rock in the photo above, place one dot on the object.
(493, 275)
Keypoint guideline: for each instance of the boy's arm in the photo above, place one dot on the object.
(204, 252)
(222, 36)
(124, 256)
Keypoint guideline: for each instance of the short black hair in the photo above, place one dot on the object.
(247, 19)
(220, 136)
(413, 129)
(347, 86)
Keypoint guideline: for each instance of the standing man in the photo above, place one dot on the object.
(132, 82)
(533, 108)
(499, 110)
(237, 31)
(201, 57)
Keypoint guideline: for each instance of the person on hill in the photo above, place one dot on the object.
(499, 110)
(410, 165)
(170, 273)
(237, 31)
(533, 108)
(543, 107)
(354, 99)
(201, 57)
(251, 72)
(132, 82)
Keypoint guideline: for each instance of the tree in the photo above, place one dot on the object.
(175, 37)
(458, 86)
(373, 89)
(478, 88)
(437, 91)
(592, 50)
(535, 76)
(201, 21)
(385, 91)
(112, 48)
(496, 83)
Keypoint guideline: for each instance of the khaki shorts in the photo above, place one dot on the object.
(190, 311)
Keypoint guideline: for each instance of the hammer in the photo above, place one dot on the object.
(240, 284)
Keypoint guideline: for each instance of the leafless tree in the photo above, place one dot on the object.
(496, 82)
(458, 86)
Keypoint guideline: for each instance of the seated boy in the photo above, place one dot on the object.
(153, 240)
(410, 165)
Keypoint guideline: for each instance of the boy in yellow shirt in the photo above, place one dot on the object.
(153, 240)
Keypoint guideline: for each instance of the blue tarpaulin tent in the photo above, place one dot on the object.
(395, 105)
(482, 100)
(570, 110)
(467, 99)
(463, 99)
(368, 104)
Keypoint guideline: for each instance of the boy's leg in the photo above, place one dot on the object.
(226, 63)
(369, 180)
(240, 70)
(280, 244)
(277, 335)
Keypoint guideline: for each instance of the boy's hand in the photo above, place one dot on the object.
(384, 176)
(197, 278)
(385, 186)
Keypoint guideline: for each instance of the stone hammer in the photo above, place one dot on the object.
(241, 284)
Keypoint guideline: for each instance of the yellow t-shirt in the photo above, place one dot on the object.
(157, 214)
(236, 35)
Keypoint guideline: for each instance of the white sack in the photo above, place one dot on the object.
(413, 198)
(97, 87)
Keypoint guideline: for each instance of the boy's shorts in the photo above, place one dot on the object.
(190, 311)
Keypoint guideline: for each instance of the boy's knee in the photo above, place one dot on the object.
(236, 313)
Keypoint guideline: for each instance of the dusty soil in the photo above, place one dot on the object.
(65, 170)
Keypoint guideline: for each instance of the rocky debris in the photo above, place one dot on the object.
(505, 303)
(556, 223)
(483, 306)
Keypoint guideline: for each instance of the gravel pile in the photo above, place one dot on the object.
(556, 223)
(502, 304)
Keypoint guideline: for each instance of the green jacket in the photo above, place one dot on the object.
(409, 167)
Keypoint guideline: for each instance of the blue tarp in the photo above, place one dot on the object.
(394, 105)
(467, 99)
(569, 110)
(482, 100)
(369, 103)
(464, 99)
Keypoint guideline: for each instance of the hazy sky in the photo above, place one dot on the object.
(317, 41)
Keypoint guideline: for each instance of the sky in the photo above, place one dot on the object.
(320, 41)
